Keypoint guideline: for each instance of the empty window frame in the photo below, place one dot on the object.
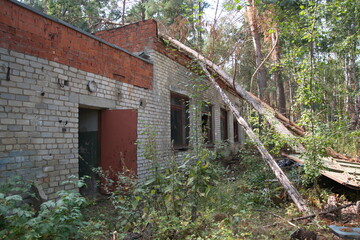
(179, 120)
(206, 124)
(224, 124)
(236, 131)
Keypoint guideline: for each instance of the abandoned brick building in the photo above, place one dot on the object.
(70, 100)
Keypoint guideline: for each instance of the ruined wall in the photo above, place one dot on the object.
(39, 116)
(48, 38)
(135, 37)
(43, 82)
(170, 68)
(170, 76)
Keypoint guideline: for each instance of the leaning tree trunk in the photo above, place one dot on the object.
(276, 120)
(290, 189)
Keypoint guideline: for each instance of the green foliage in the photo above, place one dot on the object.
(58, 219)
(274, 142)
(171, 198)
(87, 15)
(322, 135)
(182, 18)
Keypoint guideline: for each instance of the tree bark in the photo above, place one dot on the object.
(355, 82)
(262, 83)
(142, 10)
(280, 92)
(291, 190)
(123, 21)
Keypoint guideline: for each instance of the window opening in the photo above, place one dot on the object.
(179, 120)
(206, 124)
(236, 131)
(223, 124)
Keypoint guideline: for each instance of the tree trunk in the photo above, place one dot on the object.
(271, 116)
(123, 13)
(280, 92)
(142, 9)
(262, 83)
(291, 190)
(348, 86)
(354, 85)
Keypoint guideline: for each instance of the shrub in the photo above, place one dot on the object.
(57, 219)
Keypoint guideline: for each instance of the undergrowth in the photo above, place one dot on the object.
(55, 219)
(205, 199)
(239, 201)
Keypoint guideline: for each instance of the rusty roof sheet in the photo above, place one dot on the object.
(344, 172)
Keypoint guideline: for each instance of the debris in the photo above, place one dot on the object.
(303, 234)
(334, 154)
(287, 163)
(344, 172)
(346, 232)
(324, 212)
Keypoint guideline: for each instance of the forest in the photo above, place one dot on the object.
(299, 57)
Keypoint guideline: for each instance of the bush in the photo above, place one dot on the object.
(58, 219)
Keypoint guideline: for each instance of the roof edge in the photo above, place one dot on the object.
(31, 9)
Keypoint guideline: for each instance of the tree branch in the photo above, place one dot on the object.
(262, 63)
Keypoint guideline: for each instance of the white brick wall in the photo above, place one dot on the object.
(34, 141)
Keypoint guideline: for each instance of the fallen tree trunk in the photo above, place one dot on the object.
(290, 124)
(334, 154)
(261, 107)
(290, 189)
(324, 212)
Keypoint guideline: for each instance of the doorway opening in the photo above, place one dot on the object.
(89, 149)
(107, 139)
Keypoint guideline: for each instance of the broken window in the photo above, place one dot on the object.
(224, 124)
(206, 124)
(236, 131)
(179, 120)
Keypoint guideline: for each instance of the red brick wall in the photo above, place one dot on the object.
(27, 32)
(134, 37)
(140, 36)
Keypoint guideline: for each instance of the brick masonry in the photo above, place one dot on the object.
(42, 86)
(27, 32)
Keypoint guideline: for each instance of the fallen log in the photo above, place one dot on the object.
(290, 124)
(331, 152)
(282, 178)
(323, 212)
(292, 128)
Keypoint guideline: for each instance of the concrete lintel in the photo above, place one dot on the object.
(93, 101)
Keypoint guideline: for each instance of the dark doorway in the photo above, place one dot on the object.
(88, 148)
